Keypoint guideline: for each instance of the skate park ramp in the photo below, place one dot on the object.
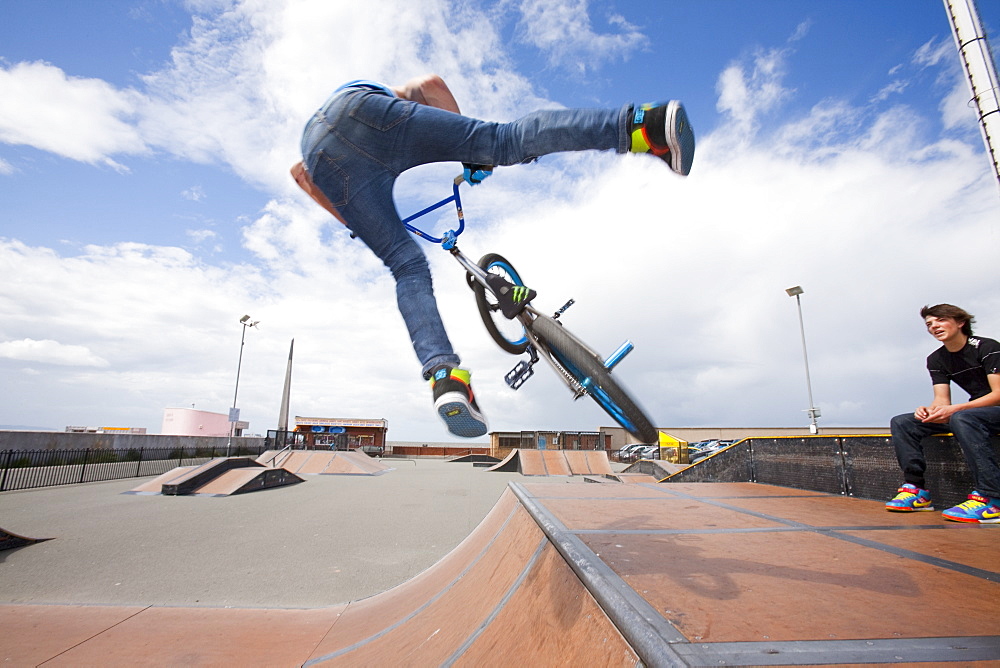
(682, 574)
(323, 462)
(555, 462)
(9, 540)
(223, 476)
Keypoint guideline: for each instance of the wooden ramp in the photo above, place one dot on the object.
(324, 462)
(685, 574)
(9, 540)
(223, 476)
(555, 462)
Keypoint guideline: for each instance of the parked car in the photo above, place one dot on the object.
(701, 445)
(648, 452)
(629, 451)
(709, 450)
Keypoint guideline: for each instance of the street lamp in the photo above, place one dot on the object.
(813, 411)
(234, 412)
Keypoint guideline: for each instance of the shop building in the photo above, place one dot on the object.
(368, 435)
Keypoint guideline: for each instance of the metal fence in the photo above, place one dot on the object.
(25, 469)
(861, 466)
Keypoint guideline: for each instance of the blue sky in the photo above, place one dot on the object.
(144, 148)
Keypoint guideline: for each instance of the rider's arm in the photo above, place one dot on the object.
(942, 412)
(305, 182)
(430, 90)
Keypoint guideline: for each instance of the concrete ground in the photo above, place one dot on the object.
(329, 540)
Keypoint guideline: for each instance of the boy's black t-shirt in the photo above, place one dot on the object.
(968, 367)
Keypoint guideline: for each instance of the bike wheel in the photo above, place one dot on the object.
(589, 370)
(508, 334)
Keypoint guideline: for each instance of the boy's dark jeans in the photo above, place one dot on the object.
(972, 429)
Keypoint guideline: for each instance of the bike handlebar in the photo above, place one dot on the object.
(448, 239)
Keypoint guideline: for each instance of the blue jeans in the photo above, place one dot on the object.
(356, 145)
(972, 429)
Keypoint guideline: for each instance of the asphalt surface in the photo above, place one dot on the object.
(328, 540)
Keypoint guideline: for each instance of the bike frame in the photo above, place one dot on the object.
(537, 347)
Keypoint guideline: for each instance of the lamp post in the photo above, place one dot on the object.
(813, 411)
(234, 413)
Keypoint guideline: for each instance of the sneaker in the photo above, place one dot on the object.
(978, 508)
(663, 129)
(910, 498)
(455, 403)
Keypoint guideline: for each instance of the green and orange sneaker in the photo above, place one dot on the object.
(663, 129)
(455, 402)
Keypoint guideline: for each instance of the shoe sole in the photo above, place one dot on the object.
(459, 416)
(971, 520)
(895, 509)
(680, 137)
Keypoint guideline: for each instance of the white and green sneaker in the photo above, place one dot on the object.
(455, 402)
(663, 129)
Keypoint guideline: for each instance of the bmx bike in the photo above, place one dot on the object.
(521, 329)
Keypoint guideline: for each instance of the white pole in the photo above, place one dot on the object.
(980, 68)
(813, 427)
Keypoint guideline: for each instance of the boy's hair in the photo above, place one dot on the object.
(948, 311)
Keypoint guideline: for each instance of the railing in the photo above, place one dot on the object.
(27, 469)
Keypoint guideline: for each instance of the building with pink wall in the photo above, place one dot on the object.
(191, 422)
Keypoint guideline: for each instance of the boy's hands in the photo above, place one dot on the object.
(476, 174)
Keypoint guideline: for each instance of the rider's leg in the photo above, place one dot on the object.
(338, 145)
(433, 135)
(414, 287)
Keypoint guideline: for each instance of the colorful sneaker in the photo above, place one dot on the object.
(455, 403)
(978, 508)
(663, 129)
(910, 498)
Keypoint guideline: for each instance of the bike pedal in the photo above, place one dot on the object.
(519, 374)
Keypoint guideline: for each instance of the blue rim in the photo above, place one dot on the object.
(596, 392)
(517, 281)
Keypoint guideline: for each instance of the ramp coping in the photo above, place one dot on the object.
(658, 643)
(645, 629)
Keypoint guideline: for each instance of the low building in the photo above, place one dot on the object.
(105, 430)
(502, 442)
(191, 422)
(342, 433)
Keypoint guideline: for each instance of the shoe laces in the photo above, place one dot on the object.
(975, 502)
(906, 493)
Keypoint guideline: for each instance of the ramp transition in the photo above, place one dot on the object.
(223, 476)
(9, 540)
(324, 462)
(555, 462)
(654, 575)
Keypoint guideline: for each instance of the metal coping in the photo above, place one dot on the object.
(659, 643)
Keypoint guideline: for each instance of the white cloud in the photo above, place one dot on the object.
(194, 193)
(564, 30)
(82, 119)
(50, 352)
(747, 91)
(853, 203)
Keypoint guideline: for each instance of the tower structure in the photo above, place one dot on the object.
(977, 60)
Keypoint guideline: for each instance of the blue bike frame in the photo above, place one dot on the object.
(578, 382)
(448, 240)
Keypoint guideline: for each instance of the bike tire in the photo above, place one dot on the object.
(508, 334)
(583, 364)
